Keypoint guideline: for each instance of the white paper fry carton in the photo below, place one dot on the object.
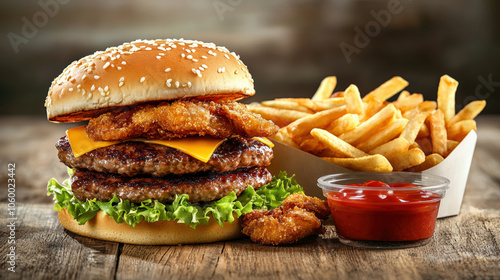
(308, 168)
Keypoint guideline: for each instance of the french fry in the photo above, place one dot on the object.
(450, 146)
(392, 148)
(286, 104)
(403, 95)
(459, 130)
(386, 134)
(430, 161)
(368, 126)
(438, 132)
(469, 112)
(281, 136)
(281, 117)
(371, 108)
(427, 106)
(425, 145)
(387, 89)
(326, 104)
(337, 94)
(376, 163)
(343, 124)
(319, 120)
(409, 102)
(337, 146)
(424, 131)
(446, 96)
(353, 100)
(325, 88)
(312, 146)
(409, 159)
(415, 145)
(412, 129)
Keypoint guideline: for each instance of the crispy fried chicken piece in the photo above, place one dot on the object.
(311, 204)
(180, 119)
(296, 218)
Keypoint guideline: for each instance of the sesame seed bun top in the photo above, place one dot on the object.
(146, 71)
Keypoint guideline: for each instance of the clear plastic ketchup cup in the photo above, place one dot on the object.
(384, 209)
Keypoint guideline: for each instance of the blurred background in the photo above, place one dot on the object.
(289, 46)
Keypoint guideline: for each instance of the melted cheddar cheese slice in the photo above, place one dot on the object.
(199, 147)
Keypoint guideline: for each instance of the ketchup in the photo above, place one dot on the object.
(384, 212)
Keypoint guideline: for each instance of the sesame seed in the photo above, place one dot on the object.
(189, 51)
(96, 77)
(143, 79)
(227, 56)
(173, 46)
(193, 50)
(70, 89)
(92, 88)
(106, 65)
(106, 88)
(195, 60)
(162, 54)
(124, 62)
(79, 86)
(183, 55)
(189, 84)
(204, 66)
(167, 70)
(119, 68)
(158, 56)
(120, 84)
(107, 98)
(194, 70)
(169, 49)
(148, 49)
(204, 57)
(189, 57)
(177, 84)
(201, 68)
(122, 79)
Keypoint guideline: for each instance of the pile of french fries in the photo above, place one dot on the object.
(370, 133)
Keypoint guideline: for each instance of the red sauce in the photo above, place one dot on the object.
(384, 215)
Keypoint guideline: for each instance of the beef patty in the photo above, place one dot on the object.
(206, 186)
(136, 158)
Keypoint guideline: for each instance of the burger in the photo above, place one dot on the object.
(167, 154)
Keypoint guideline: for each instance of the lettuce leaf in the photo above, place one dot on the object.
(267, 197)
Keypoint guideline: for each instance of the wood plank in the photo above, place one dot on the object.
(176, 262)
(45, 250)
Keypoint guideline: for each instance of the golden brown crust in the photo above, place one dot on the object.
(180, 119)
(144, 72)
(158, 233)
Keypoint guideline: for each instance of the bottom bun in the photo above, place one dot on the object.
(144, 233)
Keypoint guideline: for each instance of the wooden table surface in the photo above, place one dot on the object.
(465, 246)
